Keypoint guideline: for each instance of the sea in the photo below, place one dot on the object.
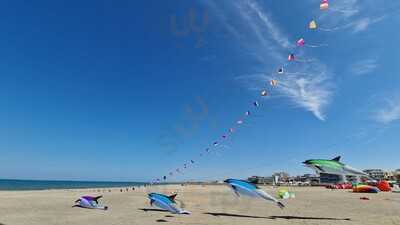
(23, 185)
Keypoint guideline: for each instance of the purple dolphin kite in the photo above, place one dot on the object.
(89, 202)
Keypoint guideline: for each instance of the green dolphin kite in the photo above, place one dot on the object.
(333, 166)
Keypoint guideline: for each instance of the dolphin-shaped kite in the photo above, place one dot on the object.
(333, 166)
(90, 202)
(166, 202)
(241, 187)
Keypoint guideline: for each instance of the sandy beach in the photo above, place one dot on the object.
(209, 204)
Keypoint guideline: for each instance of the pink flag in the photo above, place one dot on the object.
(300, 42)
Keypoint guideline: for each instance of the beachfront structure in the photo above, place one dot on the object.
(306, 179)
(261, 180)
(282, 176)
(326, 178)
(377, 174)
(397, 175)
(389, 175)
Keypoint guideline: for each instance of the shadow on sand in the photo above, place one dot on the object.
(276, 217)
(75, 206)
(152, 210)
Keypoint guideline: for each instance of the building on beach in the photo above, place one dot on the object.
(283, 178)
(261, 180)
(377, 174)
(397, 175)
(326, 178)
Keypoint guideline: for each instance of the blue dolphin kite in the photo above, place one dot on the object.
(241, 187)
(166, 202)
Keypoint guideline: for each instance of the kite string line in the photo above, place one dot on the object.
(327, 29)
(304, 60)
(236, 127)
(158, 180)
(316, 46)
(243, 119)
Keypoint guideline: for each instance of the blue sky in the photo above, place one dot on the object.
(130, 91)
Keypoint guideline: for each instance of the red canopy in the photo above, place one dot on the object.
(384, 186)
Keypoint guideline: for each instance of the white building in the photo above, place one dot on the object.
(376, 174)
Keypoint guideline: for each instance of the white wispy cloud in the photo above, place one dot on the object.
(310, 87)
(310, 93)
(220, 14)
(310, 90)
(274, 31)
(347, 8)
(363, 23)
(365, 66)
(340, 12)
(349, 15)
(389, 112)
(261, 33)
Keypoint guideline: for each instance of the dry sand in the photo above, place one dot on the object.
(210, 204)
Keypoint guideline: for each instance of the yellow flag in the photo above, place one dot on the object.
(313, 25)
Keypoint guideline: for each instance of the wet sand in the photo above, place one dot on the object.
(209, 204)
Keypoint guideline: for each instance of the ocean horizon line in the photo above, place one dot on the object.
(31, 184)
(72, 180)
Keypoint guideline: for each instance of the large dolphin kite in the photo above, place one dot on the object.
(166, 202)
(90, 202)
(333, 166)
(241, 187)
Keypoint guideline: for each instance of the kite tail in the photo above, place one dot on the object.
(300, 74)
(326, 29)
(331, 29)
(305, 60)
(344, 10)
(184, 212)
(281, 205)
(335, 28)
(225, 146)
(181, 206)
(316, 46)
